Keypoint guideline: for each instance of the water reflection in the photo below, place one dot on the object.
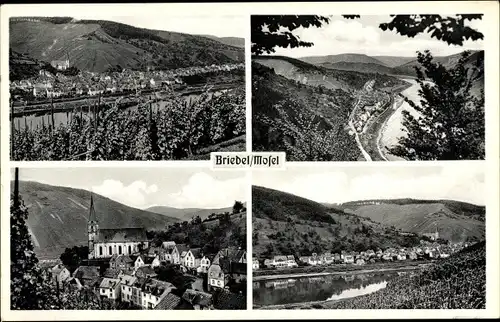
(318, 288)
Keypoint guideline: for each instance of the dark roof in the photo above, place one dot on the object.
(197, 298)
(146, 270)
(225, 300)
(169, 302)
(157, 287)
(182, 248)
(121, 235)
(225, 265)
(234, 254)
(111, 273)
(121, 259)
(86, 272)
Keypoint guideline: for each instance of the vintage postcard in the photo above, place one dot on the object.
(150, 152)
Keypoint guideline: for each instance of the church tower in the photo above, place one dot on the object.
(93, 228)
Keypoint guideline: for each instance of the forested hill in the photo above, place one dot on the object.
(288, 224)
(96, 45)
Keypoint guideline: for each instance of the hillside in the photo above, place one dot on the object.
(315, 75)
(393, 61)
(287, 224)
(96, 45)
(346, 58)
(187, 213)
(230, 41)
(359, 67)
(279, 108)
(58, 216)
(454, 220)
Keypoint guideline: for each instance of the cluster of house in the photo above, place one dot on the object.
(91, 83)
(130, 275)
(431, 250)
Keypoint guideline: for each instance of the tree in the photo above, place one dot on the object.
(237, 207)
(72, 257)
(269, 32)
(451, 121)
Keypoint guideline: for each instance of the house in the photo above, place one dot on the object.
(60, 64)
(387, 257)
(401, 256)
(173, 302)
(234, 254)
(218, 273)
(268, 263)
(74, 284)
(59, 274)
(327, 258)
(41, 89)
(87, 275)
(413, 255)
(348, 259)
(157, 251)
(290, 260)
(192, 258)
(204, 264)
(145, 272)
(121, 262)
(136, 289)
(110, 288)
(255, 264)
(126, 283)
(199, 300)
(182, 250)
(171, 253)
(153, 291)
(336, 258)
(112, 273)
(155, 261)
(280, 261)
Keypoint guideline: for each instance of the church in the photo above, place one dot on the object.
(104, 243)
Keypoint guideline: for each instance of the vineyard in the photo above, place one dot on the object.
(180, 129)
(458, 282)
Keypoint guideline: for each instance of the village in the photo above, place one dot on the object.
(125, 269)
(427, 250)
(59, 84)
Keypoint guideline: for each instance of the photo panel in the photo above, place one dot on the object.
(369, 87)
(136, 87)
(101, 238)
(366, 237)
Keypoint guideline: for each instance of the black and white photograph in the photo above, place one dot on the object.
(369, 237)
(369, 87)
(139, 87)
(127, 239)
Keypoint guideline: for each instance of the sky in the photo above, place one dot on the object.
(363, 36)
(192, 187)
(220, 26)
(337, 184)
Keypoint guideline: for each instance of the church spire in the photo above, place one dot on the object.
(92, 216)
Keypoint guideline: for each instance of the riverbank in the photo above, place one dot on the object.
(336, 270)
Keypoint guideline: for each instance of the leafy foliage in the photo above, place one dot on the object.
(451, 30)
(450, 125)
(72, 257)
(210, 235)
(269, 32)
(176, 130)
(31, 287)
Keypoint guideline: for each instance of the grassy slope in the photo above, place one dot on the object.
(454, 220)
(348, 58)
(304, 224)
(458, 282)
(95, 45)
(58, 215)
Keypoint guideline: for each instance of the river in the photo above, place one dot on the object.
(319, 288)
(37, 119)
(393, 128)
